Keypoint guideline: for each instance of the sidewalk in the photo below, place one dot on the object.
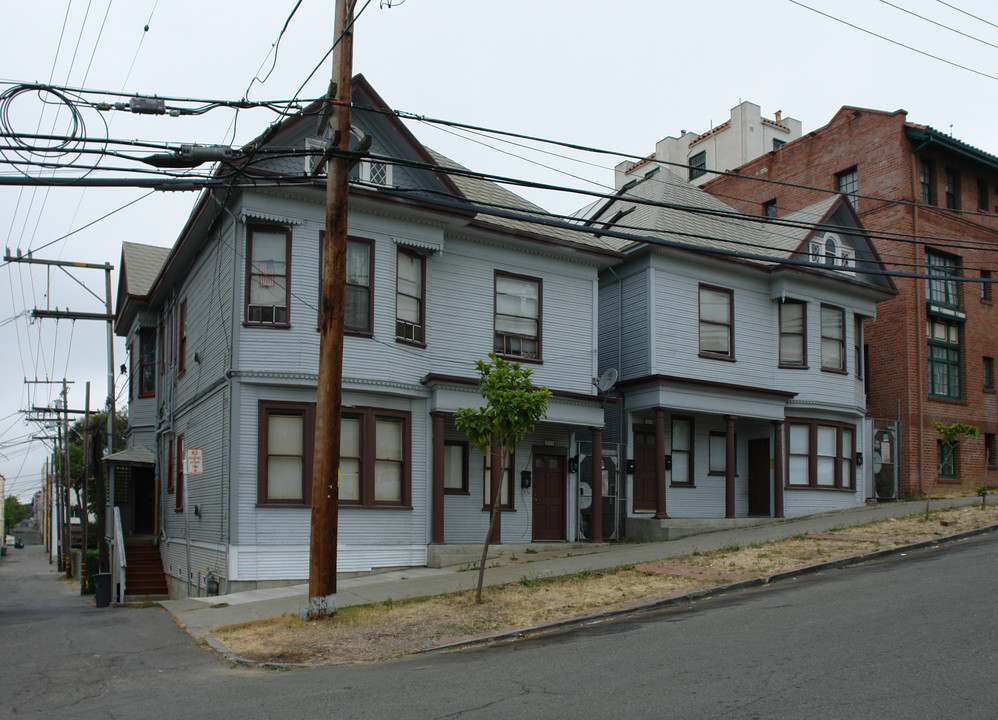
(199, 615)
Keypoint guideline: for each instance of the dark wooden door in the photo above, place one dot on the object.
(549, 497)
(644, 471)
(758, 477)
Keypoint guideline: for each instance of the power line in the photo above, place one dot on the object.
(894, 42)
(986, 22)
(939, 24)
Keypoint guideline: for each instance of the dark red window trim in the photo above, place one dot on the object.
(352, 240)
(145, 337)
(802, 365)
(730, 355)
(169, 467)
(261, 227)
(507, 504)
(689, 481)
(369, 417)
(182, 337)
(847, 484)
(463, 490)
(402, 325)
(841, 340)
(179, 501)
(540, 317)
(306, 411)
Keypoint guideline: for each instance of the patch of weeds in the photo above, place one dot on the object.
(696, 553)
(513, 558)
(530, 551)
(732, 547)
(220, 605)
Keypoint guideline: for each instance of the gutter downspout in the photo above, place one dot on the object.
(228, 376)
(919, 324)
(622, 437)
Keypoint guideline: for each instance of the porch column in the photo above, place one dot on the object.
(597, 485)
(660, 513)
(495, 480)
(729, 468)
(437, 518)
(777, 468)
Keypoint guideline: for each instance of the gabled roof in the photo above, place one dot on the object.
(663, 206)
(669, 211)
(140, 267)
(491, 194)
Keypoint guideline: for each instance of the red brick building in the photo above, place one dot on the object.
(929, 201)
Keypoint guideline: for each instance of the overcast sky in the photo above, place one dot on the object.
(618, 76)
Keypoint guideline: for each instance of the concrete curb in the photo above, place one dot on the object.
(634, 608)
(641, 607)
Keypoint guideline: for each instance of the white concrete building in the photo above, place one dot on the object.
(745, 136)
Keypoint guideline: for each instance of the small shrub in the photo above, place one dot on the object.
(92, 568)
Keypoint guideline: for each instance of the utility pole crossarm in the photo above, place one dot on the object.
(69, 315)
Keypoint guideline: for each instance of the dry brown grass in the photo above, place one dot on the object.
(395, 628)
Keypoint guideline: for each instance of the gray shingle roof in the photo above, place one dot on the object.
(142, 264)
(672, 209)
(487, 192)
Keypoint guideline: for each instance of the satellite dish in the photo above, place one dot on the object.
(607, 380)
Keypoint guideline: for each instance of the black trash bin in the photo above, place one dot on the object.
(102, 588)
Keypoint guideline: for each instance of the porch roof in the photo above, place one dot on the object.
(133, 456)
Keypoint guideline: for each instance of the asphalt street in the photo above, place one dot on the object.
(912, 636)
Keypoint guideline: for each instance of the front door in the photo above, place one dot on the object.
(549, 497)
(758, 477)
(644, 471)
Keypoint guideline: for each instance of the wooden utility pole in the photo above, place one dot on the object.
(325, 467)
(85, 520)
(67, 538)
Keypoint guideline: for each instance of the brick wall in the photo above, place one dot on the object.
(874, 143)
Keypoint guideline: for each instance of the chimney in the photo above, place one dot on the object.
(778, 115)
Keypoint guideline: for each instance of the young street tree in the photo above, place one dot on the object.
(513, 407)
(951, 436)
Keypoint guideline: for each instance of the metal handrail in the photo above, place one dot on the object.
(120, 562)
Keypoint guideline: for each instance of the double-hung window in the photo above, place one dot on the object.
(833, 336)
(821, 455)
(941, 290)
(925, 171)
(358, 310)
(284, 469)
(944, 359)
(793, 334)
(952, 189)
(178, 505)
(147, 363)
(985, 286)
(375, 466)
(717, 454)
(410, 297)
(698, 164)
(268, 275)
(359, 306)
(506, 484)
(517, 324)
(455, 467)
(717, 324)
(946, 459)
(847, 183)
(989, 373)
(682, 451)
(182, 337)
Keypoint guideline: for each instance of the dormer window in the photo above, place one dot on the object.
(829, 250)
(374, 172)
